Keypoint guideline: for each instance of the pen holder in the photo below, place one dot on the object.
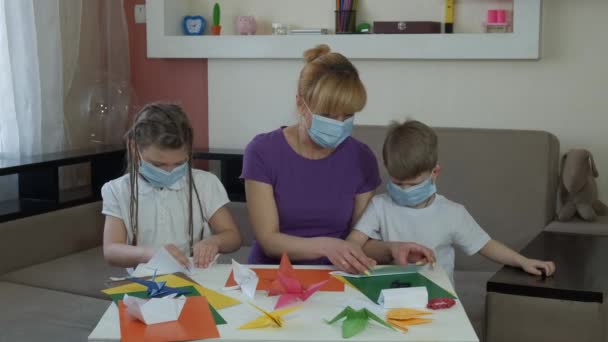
(346, 22)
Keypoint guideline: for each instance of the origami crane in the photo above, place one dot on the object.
(158, 289)
(274, 318)
(356, 321)
(403, 318)
(288, 287)
(245, 278)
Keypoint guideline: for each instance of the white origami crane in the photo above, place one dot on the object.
(246, 279)
(155, 310)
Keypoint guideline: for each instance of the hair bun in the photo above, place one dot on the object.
(316, 52)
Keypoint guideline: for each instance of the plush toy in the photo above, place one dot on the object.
(578, 190)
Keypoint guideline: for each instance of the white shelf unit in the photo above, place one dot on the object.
(165, 40)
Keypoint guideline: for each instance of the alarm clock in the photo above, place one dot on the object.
(194, 25)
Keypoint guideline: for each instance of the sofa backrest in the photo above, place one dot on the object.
(48, 236)
(507, 179)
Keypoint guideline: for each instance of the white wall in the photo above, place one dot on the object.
(565, 93)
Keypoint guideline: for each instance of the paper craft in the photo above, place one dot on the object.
(216, 299)
(219, 320)
(412, 297)
(155, 310)
(157, 289)
(356, 321)
(441, 303)
(381, 270)
(246, 279)
(195, 322)
(274, 318)
(403, 318)
(372, 286)
(288, 287)
(162, 263)
(306, 276)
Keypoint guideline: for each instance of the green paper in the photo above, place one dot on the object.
(372, 286)
(356, 321)
(219, 320)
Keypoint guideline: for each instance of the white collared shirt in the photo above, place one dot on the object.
(163, 213)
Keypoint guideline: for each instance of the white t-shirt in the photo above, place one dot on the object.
(439, 226)
(163, 213)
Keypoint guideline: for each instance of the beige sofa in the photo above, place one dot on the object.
(52, 267)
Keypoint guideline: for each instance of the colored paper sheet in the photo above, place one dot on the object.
(372, 286)
(195, 322)
(216, 299)
(306, 277)
(192, 292)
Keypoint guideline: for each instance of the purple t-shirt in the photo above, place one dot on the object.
(313, 197)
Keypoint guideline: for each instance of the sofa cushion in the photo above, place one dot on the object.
(507, 179)
(577, 226)
(48, 236)
(34, 314)
(471, 289)
(83, 273)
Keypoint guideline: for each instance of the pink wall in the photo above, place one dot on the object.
(181, 81)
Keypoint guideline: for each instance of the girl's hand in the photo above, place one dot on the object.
(346, 256)
(204, 253)
(408, 252)
(177, 254)
(538, 267)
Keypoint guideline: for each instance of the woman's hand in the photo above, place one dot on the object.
(346, 256)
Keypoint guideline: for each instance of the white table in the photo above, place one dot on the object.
(307, 323)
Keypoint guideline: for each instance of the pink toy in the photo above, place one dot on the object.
(492, 16)
(501, 16)
(246, 25)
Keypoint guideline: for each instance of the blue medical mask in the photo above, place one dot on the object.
(329, 133)
(412, 196)
(160, 178)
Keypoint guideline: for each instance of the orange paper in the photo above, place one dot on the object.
(195, 323)
(306, 277)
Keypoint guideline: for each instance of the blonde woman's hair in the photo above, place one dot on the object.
(330, 83)
(165, 126)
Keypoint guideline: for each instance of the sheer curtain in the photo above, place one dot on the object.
(64, 77)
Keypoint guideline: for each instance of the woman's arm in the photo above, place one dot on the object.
(117, 252)
(264, 218)
(226, 238)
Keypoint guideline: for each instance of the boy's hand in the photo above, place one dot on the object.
(538, 267)
(177, 254)
(408, 252)
(204, 253)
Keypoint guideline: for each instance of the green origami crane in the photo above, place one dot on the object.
(356, 321)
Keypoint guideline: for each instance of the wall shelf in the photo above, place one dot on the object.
(164, 40)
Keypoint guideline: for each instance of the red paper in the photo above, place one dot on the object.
(195, 323)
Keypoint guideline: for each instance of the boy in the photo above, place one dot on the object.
(413, 211)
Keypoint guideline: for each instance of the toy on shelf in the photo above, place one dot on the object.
(497, 21)
(194, 25)
(216, 29)
(246, 25)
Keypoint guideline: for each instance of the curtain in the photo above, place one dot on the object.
(64, 78)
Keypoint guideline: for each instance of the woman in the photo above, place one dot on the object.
(307, 184)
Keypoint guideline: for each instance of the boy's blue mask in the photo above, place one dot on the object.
(412, 196)
(160, 178)
(329, 133)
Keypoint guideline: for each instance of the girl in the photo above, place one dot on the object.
(162, 202)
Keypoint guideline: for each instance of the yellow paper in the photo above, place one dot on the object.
(406, 313)
(403, 318)
(269, 318)
(343, 280)
(215, 299)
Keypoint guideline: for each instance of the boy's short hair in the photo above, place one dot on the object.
(410, 148)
